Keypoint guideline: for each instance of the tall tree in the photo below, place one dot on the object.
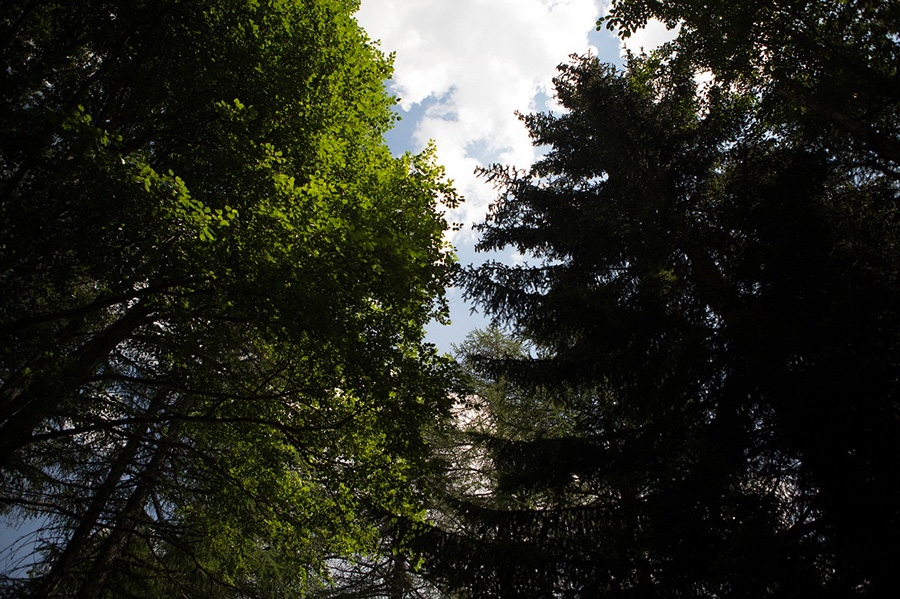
(713, 294)
(215, 278)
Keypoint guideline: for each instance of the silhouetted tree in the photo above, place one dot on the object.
(711, 298)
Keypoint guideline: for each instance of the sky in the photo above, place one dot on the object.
(462, 70)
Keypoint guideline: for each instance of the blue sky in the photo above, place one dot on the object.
(462, 69)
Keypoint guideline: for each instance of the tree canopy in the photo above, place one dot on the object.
(215, 279)
(826, 70)
(710, 295)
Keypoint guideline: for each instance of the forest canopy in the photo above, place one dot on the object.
(214, 281)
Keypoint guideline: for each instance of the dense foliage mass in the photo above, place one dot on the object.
(711, 318)
(214, 281)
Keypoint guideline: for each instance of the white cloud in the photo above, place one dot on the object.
(650, 37)
(474, 63)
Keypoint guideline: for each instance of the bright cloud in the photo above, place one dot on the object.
(652, 36)
(473, 64)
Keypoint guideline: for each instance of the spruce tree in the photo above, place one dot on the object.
(711, 296)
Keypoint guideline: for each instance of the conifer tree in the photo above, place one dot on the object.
(711, 294)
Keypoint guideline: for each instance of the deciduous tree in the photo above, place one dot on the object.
(215, 278)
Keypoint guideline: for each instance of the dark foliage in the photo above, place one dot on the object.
(713, 300)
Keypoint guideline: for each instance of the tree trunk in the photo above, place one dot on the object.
(25, 404)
